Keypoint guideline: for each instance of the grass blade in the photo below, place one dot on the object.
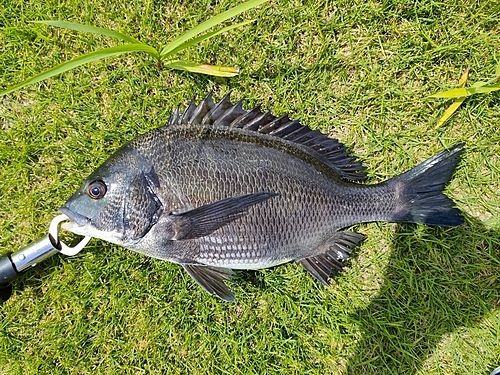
(165, 53)
(213, 70)
(214, 21)
(92, 56)
(89, 29)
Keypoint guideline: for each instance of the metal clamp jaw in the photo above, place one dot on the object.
(12, 265)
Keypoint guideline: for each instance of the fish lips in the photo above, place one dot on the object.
(83, 226)
(78, 222)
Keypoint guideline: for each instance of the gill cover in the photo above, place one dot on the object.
(142, 206)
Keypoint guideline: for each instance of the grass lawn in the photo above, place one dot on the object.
(413, 300)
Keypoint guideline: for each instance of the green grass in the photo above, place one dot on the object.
(413, 300)
(196, 35)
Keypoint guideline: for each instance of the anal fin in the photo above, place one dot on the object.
(211, 279)
(331, 255)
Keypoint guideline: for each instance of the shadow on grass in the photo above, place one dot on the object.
(437, 281)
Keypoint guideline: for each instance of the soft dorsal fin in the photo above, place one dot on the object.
(223, 113)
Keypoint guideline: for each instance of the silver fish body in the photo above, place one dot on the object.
(220, 188)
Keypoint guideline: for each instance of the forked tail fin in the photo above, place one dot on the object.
(420, 191)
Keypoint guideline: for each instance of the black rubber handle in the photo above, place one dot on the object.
(8, 273)
(5, 293)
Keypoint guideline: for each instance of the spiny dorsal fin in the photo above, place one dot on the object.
(223, 113)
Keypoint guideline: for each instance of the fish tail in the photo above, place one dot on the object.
(420, 191)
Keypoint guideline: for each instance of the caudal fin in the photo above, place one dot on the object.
(421, 191)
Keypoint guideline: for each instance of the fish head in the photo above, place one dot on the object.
(117, 202)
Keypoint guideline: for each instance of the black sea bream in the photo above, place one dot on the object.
(221, 188)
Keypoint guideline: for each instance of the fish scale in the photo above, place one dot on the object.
(220, 188)
(307, 185)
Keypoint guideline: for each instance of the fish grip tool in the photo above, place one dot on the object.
(15, 264)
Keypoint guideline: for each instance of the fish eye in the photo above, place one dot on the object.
(96, 190)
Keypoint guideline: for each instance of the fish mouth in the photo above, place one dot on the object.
(77, 218)
(83, 226)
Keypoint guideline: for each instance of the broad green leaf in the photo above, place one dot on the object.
(486, 89)
(201, 38)
(497, 71)
(457, 103)
(89, 29)
(81, 60)
(450, 110)
(214, 21)
(459, 92)
(176, 45)
(463, 79)
(213, 70)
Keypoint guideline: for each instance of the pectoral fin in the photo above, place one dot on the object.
(206, 219)
(331, 255)
(212, 279)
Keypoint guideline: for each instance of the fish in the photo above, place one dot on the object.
(220, 188)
